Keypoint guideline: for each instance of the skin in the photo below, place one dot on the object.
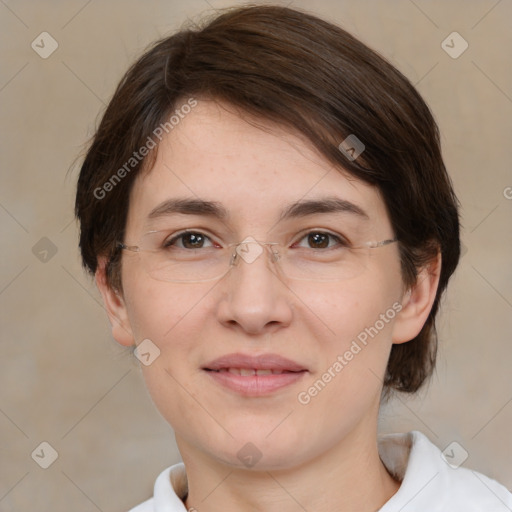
(321, 456)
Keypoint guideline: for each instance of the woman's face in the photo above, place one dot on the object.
(337, 333)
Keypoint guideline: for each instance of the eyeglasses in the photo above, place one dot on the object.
(190, 261)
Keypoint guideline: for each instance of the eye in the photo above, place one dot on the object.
(322, 240)
(188, 240)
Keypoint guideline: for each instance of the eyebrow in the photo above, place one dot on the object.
(329, 204)
(301, 208)
(191, 207)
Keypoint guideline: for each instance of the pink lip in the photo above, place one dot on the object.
(255, 385)
(261, 362)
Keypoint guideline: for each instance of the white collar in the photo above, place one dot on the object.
(428, 482)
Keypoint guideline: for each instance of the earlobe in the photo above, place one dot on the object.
(115, 307)
(417, 303)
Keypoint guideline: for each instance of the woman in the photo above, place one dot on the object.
(270, 223)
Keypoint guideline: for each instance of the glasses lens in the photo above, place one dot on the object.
(175, 263)
(337, 265)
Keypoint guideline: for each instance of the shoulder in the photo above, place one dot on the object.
(429, 482)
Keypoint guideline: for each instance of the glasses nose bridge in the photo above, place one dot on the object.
(250, 249)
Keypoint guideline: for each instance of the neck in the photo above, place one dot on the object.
(339, 479)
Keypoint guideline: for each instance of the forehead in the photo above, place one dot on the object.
(251, 167)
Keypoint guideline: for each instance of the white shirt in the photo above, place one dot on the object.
(428, 482)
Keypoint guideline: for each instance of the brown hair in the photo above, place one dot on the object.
(295, 69)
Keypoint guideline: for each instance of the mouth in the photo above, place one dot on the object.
(254, 375)
(248, 372)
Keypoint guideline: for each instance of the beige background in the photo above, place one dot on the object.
(62, 378)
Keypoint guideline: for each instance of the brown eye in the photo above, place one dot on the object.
(318, 240)
(188, 240)
(321, 240)
(193, 240)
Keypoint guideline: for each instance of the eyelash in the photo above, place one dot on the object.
(339, 239)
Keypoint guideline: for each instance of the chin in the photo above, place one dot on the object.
(261, 449)
(251, 458)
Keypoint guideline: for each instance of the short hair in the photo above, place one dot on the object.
(314, 78)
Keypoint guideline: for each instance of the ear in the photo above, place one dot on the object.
(417, 303)
(115, 307)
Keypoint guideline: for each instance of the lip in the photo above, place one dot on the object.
(260, 362)
(255, 385)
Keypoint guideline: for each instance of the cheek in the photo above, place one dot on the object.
(172, 317)
(353, 337)
(157, 309)
(339, 313)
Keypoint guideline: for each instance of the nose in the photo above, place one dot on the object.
(254, 297)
